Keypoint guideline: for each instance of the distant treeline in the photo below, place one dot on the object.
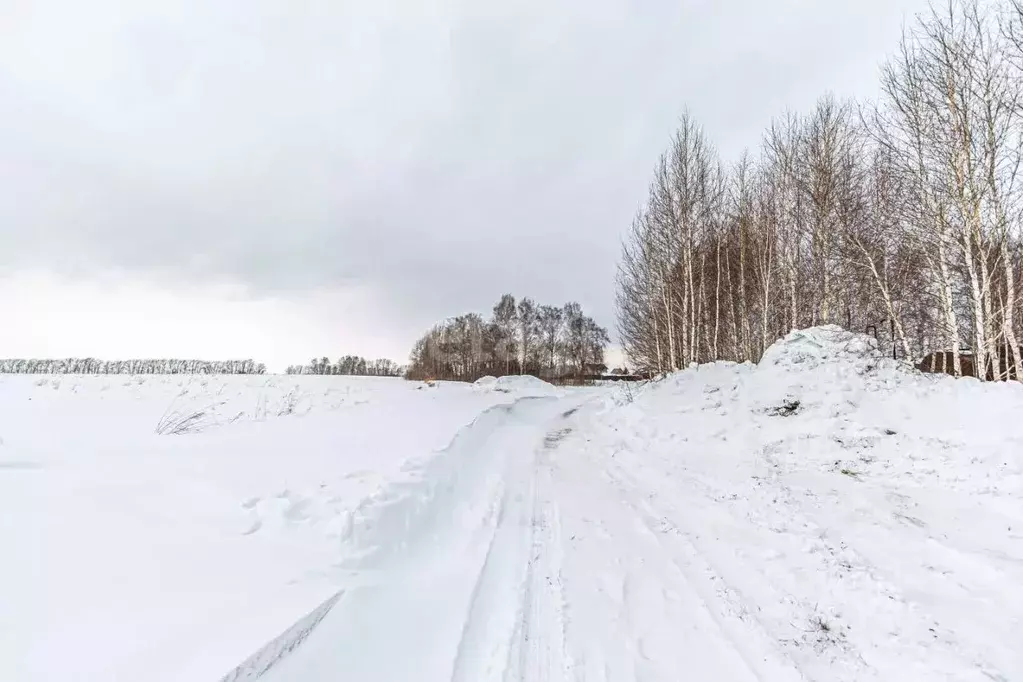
(350, 365)
(520, 338)
(152, 366)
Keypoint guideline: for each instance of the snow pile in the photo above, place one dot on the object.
(834, 389)
(806, 349)
(830, 367)
(517, 385)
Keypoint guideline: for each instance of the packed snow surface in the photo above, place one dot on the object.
(826, 515)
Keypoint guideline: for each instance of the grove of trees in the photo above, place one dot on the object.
(349, 365)
(903, 213)
(521, 337)
(157, 366)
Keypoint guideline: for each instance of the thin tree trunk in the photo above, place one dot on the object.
(717, 304)
(1008, 320)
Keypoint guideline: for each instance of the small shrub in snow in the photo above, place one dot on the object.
(823, 634)
(819, 624)
(188, 421)
(183, 420)
(259, 414)
(820, 633)
(290, 402)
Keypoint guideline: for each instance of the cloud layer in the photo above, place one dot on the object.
(437, 154)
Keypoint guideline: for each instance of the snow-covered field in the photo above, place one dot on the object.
(827, 515)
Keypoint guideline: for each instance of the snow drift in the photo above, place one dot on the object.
(518, 385)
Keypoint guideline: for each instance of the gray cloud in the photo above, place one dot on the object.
(441, 155)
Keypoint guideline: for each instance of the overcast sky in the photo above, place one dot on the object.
(288, 179)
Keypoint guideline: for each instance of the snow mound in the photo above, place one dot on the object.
(830, 368)
(825, 385)
(810, 348)
(523, 385)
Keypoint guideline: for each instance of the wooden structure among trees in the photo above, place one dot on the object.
(943, 362)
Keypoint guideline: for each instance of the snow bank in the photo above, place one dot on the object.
(869, 518)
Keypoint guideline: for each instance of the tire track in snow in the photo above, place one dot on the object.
(750, 639)
(819, 555)
(513, 630)
(631, 614)
(447, 493)
(438, 570)
(538, 652)
(486, 638)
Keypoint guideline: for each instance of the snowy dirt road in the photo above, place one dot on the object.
(454, 576)
(518, 557)
(824, 516)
